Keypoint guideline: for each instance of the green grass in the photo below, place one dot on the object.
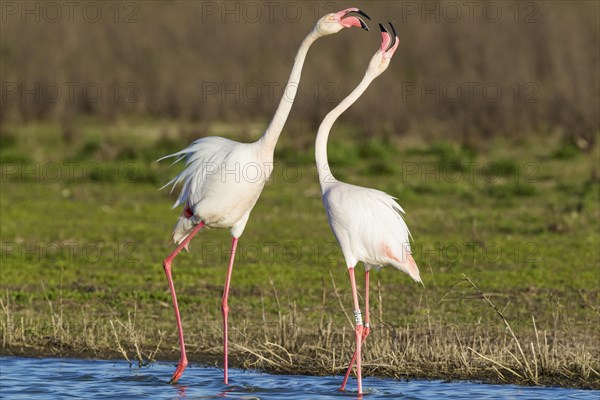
(84, 225)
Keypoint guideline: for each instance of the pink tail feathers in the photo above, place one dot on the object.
(412, 268)
(405, 262)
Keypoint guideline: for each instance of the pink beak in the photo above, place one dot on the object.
(389, 42)
(349, 21)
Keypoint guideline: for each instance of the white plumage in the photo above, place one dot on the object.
(369, 227)
(221, 183)
(222, 179)
(367, 223)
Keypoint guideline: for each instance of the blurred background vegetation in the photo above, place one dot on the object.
(491, 107)
(463, 70)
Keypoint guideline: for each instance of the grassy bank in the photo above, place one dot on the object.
(506, 236)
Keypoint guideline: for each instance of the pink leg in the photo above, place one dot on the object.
(225, 310)
(367, 317)
(167, 266)
(359, 330)
(365, 333)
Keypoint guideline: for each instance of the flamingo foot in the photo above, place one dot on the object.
(179, 371)
(365, 333)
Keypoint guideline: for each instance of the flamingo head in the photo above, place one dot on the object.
(389, 44)
(335, 22)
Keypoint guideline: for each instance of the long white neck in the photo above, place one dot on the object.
(271, 135)
(325, 175)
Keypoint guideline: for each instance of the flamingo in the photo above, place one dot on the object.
(223, 179)
(367, 223)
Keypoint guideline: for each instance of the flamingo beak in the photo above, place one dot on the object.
(389, 41)
(351, 20)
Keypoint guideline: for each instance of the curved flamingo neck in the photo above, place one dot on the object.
(325, 175)
(271, 135)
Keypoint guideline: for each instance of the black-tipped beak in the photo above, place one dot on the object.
(363, 24)
(393, 29)
(393, 36)
(364, 14)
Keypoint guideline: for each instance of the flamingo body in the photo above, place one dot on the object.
(221, 183)
(367, 223)
(369, 227)
(223, 179)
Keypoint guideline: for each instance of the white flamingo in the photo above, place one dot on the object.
(223, 179)
(367, 223)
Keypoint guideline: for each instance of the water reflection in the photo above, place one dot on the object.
(29, 378)
(181, 389)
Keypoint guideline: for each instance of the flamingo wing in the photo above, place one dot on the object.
(203, 159)
(369, 227)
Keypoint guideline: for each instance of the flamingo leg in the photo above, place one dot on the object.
(367, 317)
(225, 310)
(358, 330)
(167, 266)
(365, 333)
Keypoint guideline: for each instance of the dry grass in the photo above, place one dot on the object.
(430, 348)
(520, 317)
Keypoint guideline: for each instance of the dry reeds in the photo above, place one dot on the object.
(534, 68)
(430, 348)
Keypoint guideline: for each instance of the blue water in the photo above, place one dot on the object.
(52, 378)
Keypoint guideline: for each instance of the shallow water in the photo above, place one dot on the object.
(53, 378)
